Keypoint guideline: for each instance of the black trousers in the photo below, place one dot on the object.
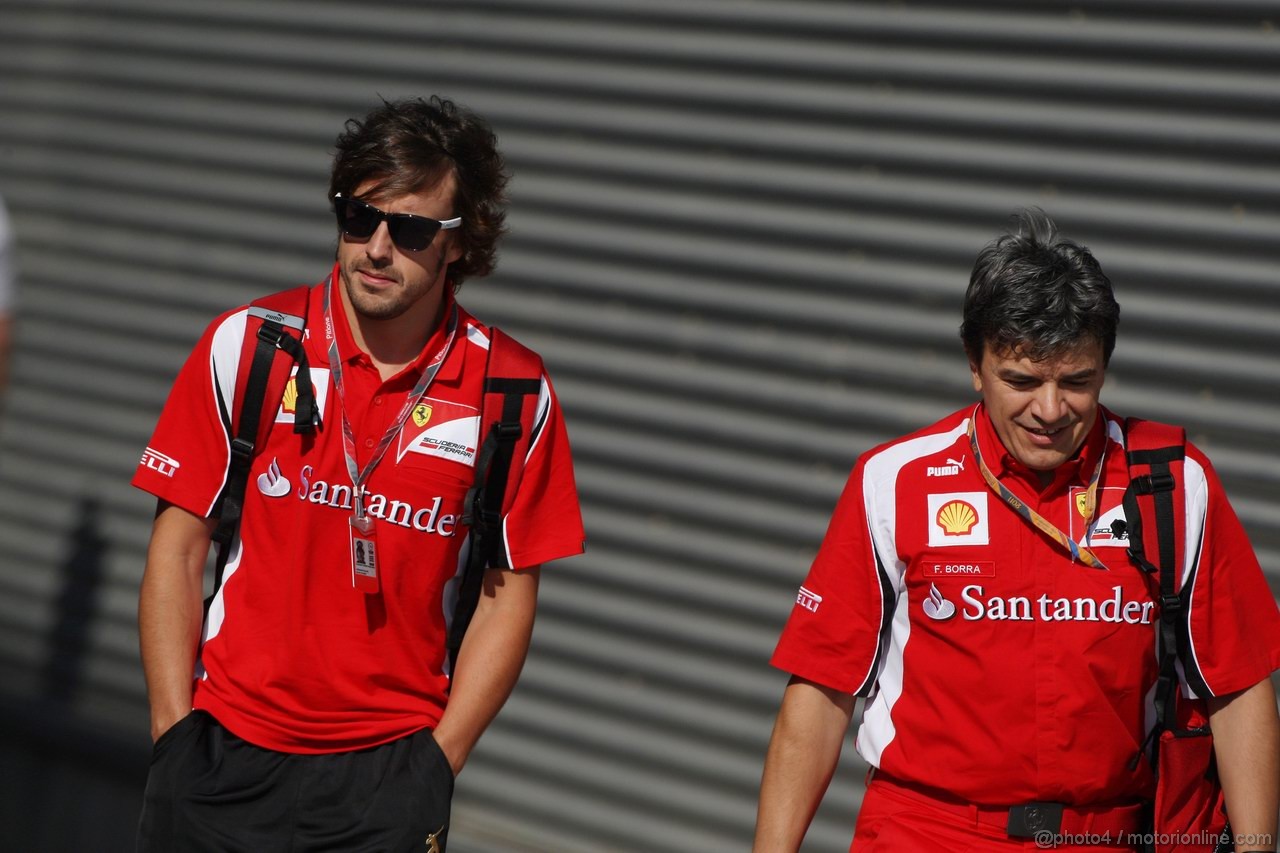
(208, 790)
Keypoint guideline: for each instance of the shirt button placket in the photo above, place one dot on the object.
(376, 418)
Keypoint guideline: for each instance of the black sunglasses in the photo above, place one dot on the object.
(359, 219)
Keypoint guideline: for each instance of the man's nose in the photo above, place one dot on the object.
(1048, 405)
(379, 245)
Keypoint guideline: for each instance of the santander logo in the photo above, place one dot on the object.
(937, 607)
(272, 483)
(977, 605)
(432, 518)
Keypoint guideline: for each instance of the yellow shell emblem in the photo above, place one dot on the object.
(957, 518)
(290, 405)
(421, 414)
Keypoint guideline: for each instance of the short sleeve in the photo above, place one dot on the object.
(836, 628)
(185, 462)
(543, 521)
(1233, 626)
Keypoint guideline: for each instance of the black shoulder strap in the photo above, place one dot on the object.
(484, 500)
(1155, 496)
(273, 315)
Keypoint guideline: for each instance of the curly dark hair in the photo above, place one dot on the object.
(1038, 294)
(409, 145)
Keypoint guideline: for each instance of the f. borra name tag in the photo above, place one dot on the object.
(959, 569)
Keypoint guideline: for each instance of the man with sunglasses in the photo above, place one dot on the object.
(313, 706)
(975, 586)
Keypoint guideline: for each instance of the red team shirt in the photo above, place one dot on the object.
(292, 657)
(995, 669)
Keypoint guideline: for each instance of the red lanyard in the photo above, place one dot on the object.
(1079, 553)
(360, 476)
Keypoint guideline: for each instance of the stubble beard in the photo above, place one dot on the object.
(389, 304)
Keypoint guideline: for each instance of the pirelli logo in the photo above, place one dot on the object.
(808, 599)
(160, 463)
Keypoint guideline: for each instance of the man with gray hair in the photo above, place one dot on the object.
(979, 586)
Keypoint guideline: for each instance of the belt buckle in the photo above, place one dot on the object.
(1034, 819)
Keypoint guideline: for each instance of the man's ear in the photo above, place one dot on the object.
(454, 252)
(975, 364)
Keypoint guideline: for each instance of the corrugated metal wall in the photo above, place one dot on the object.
(740, 234)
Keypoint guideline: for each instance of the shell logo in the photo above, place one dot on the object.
(290, 403)
(957, 518)
(288, 410)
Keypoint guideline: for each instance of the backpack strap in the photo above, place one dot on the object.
(1154, 511)
(266, 335)
(512, 385)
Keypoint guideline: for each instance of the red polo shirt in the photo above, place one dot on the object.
(292, 657)
(996, 669)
